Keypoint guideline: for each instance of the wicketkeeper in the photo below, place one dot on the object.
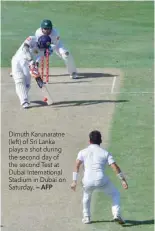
(94, 158)
(25, 64)
(46, 28)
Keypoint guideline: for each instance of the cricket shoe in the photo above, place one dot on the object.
(26, 105)
(11, 75)
(86, 220)
(74, 75)
(119, 220)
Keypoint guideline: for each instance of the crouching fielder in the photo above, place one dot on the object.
(25, 64)
(94, 158)
(46, 28)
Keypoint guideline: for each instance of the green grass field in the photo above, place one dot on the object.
(106, 34)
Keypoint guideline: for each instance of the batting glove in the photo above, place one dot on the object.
(34, 72)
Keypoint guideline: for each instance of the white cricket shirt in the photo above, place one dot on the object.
(54, 35)
(95, 160)
(34, 50)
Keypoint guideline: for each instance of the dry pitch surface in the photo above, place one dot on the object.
(79, 106)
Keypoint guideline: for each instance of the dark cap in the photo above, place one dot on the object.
(46, 24)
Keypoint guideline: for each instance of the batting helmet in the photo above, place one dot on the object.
(44, 41)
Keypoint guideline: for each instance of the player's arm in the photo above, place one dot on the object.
(120, 175)
(29, 42)
(55, 38)
(38, 60)
(27, 53)
(38, 33)
(33, 66)
(117, 170)
(78, 163)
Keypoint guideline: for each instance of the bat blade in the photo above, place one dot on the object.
(47, 94)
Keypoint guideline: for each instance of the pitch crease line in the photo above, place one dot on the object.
(113, 84)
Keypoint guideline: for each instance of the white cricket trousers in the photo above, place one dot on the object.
(67, 57)
(109, 189)
(22, 79)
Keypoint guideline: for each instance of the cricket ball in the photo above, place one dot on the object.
(45, 99)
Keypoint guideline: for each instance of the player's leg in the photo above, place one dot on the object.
(110, 190)
(27, 75)
(68, 59)
(87, 194)
(20, 84)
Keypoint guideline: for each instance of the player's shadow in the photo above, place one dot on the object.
(38, 103)
(69, 82)
(94, 75)
(129, 223)
(86, 75)
(101, 221)
(86, 102)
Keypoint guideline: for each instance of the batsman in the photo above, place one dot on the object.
(25, 64)
(46, 28)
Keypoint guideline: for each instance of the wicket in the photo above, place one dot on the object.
(45, 63)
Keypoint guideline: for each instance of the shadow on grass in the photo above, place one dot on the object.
(129, 223)
(86, 102)
(88, 75)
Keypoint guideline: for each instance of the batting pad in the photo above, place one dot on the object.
(22, 92)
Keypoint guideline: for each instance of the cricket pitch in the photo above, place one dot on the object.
(80, 105)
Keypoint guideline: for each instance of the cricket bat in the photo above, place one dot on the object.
(44, 90)
(42, 86)
(46, 94)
